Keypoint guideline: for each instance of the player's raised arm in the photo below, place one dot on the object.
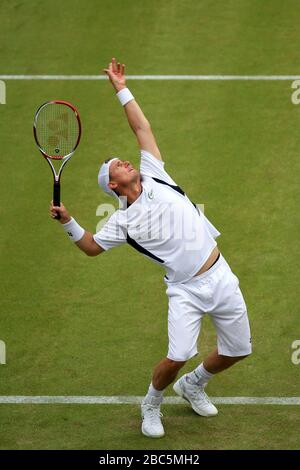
(136, 118)
(83, 239)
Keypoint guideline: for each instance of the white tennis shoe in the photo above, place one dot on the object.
(152, 425)
(196, 396)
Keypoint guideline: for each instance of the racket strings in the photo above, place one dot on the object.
(57, 130)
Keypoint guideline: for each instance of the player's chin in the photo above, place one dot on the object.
(133, 174)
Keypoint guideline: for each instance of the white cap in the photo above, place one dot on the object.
(103, 178)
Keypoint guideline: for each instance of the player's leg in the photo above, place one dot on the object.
(165, 373)
(229, 315)
(215, 362)
(231, 322)
(184, 322)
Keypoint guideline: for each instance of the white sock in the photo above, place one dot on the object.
(152, 392)
(199, 376)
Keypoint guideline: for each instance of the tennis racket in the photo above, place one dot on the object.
(57, 132)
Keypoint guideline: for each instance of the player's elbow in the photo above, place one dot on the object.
(91, 253)
(143, 125)
(92, 249)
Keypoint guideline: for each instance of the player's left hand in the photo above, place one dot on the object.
(116, 74)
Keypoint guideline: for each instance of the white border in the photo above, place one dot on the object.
(152, 77)
(128, 400)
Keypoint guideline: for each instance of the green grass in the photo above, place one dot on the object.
(117, 427)
(80, 326)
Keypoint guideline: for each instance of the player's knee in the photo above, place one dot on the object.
(240, 358)
(176, 365)
(180, 357)
(181, 353)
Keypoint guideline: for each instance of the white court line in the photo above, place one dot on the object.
(127, 400)
(152, 77)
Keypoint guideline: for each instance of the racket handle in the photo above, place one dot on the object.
(56, 196)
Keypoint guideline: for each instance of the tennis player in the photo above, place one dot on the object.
(157, 218)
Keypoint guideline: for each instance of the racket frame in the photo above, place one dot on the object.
(63, 158)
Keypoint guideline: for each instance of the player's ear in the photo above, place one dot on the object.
(112, 185)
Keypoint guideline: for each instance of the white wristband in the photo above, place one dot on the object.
(125, 96)
(74, 230)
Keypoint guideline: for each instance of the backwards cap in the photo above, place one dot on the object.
(103, 178)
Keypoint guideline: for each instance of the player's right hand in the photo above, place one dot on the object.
(61, 210)
(116, 74)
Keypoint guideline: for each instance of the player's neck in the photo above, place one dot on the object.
(133, 192)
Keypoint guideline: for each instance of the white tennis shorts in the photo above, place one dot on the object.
(217, 294)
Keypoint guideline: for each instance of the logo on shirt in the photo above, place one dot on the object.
(151, 194)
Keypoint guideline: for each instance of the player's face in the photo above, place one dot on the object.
(122, 173)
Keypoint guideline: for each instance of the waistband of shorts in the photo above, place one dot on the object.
(218, 264)
(213, 268)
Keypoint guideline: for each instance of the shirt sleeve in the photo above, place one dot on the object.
(111, 235)
(211, 228)
(151, 166)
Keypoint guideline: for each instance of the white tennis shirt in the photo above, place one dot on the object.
(162, 224)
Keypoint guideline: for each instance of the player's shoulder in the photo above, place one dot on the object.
(154, 168)
(148, 158)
